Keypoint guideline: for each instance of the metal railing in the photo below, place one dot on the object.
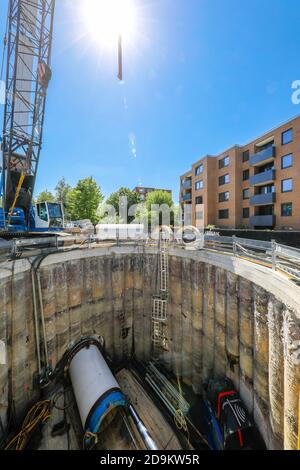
(272, 254)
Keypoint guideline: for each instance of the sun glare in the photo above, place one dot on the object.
(106, 20)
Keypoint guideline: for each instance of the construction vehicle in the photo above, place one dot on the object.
(28, 41)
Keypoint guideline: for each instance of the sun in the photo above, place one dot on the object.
(106, 20)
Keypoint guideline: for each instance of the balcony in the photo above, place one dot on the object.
(263, 178)
(263, 157)
(263, 199)
(263, 221)
(186, 185)
(186, 197)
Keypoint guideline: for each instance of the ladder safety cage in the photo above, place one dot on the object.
(160, 341)
(159, 312)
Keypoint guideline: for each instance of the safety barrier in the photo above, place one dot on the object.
(272, 254)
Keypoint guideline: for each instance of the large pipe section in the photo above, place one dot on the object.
(96, 390)
(149, 442)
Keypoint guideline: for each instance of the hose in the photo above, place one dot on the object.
(38, 414)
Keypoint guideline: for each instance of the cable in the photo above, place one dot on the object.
(38, 414)
(61, 393)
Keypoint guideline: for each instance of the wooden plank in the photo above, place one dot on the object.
(154, 421)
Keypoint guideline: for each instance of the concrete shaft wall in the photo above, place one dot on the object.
(219, 322)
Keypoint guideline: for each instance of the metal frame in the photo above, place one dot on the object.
(31, 20)
(160, 302)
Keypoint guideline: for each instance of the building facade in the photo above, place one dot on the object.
(252, 186)
(143, 191)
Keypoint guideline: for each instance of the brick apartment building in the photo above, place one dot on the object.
(252, 186)
(143, 191)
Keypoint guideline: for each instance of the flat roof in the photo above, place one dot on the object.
(297, 116)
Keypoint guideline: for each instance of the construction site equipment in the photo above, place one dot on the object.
(28, 73)
(160, 302)
(227, 423)
(148, 441)
(166, 391)
(120, 57)
(97, 392)
(37, 415)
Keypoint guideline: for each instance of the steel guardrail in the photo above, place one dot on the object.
(278, 256)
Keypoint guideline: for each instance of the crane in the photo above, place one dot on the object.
(28, 73)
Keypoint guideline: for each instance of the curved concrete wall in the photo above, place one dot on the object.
(226, 316)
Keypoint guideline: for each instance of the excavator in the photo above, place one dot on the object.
(28, 42)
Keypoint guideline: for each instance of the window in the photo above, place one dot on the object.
(270, 188)
(199, 170)
(287, 137)
(199, 185)
(224, 214)
(287, 185)
(42, 211)
(246, 193)
(246, 175)
(224, 196)
(246, 213)
(224, 162)
(199, 200)
(287, 161)
(224, 180)
(246, 155)
(287, 209)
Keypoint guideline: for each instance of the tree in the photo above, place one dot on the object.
(45, 196)
(61, 192)
(158, 197)
(162, 199)
(83, 200)
(132, 199)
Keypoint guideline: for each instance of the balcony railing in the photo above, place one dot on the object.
(263, 178)
(186, 185)
(263, 220)
(263, 199)
(186, 197)
(263, 157)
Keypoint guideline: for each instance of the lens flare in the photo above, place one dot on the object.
(106, 20)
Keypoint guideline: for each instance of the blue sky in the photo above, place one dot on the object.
(202, 76)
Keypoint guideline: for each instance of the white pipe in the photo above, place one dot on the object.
(96, 390)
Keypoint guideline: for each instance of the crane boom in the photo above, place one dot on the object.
(29, 44)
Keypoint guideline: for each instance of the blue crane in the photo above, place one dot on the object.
(28, 42)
